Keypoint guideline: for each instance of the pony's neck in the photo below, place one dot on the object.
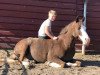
(66, 39)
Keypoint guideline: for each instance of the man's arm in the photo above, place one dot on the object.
(48, 32)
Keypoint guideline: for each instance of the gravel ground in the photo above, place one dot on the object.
(90, 66)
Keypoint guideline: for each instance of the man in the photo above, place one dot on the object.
(45, 29)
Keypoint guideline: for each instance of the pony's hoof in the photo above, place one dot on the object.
(53, 64)
(26, 64)
(31, 64)
(78, 63)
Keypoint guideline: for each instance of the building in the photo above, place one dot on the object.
(22, 18)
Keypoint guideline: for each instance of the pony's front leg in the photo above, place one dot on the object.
(56, 62)
(74, 64)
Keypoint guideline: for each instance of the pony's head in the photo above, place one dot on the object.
(77, 29)
(74, 27)
(83, 36)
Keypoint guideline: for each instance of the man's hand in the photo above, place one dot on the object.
(55, 38)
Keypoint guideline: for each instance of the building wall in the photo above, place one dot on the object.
(93, 24)
(22, 18)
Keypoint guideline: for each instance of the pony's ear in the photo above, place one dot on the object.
(78, 18)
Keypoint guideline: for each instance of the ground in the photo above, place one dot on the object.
(90, 66)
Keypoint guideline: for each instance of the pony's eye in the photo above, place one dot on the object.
(79, 28)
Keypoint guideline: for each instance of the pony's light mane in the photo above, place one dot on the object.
(66, 28)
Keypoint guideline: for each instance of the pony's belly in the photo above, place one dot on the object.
(38, 56)
(39, 59)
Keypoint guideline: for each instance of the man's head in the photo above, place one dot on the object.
(52, 15)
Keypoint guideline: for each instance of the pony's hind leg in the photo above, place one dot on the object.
(23, 51)
(21, 57)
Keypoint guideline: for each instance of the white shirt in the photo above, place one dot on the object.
(41, 31)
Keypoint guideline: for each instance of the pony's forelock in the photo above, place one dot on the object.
(78, 18)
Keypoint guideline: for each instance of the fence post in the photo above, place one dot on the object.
(85, 13)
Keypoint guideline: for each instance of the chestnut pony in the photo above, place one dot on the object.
(56, 52)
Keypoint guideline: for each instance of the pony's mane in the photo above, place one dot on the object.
(71, 25)
(65, 29)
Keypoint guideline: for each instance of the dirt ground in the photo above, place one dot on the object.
(90, 66)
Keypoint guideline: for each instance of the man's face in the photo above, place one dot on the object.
(53, 17)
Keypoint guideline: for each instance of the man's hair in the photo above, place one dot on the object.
(53, 12)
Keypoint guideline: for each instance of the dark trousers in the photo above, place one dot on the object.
(43, 37)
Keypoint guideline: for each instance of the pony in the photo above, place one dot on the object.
(53, 52)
